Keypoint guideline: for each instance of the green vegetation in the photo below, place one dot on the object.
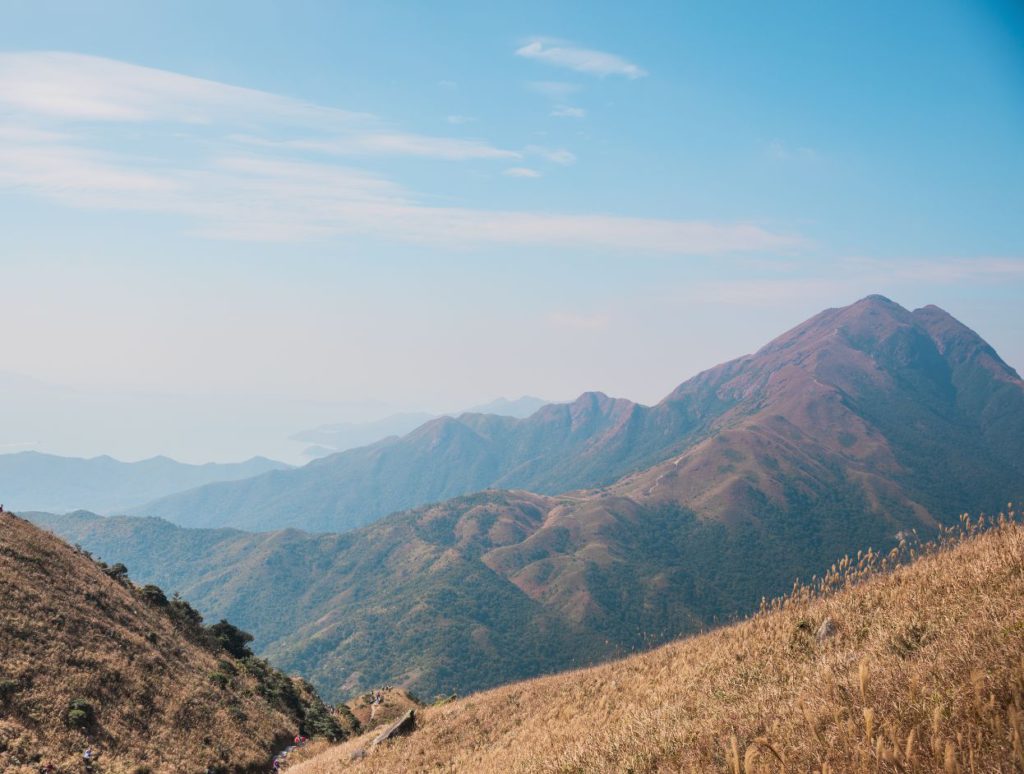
(80, 714)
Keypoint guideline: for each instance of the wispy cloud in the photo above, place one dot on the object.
(389, 144)
(554, 155)
(77, 87)
(522, 172)
(583, 60)
(458, 120)
(568, 111)
(239, 163)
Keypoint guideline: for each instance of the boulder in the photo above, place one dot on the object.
(403, 725)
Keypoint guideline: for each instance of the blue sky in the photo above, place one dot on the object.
(412, 205)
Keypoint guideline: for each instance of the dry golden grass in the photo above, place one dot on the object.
(394, 703)
(925, 673)
(68, 631)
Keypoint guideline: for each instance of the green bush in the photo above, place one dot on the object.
(231, 638)
(118, 572)
(8, 688)
(154, 595)
(80, 714)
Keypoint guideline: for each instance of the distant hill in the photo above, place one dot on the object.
(853, 429)
(330, 439)
(915, 671)
(34, 481)
(88, 660)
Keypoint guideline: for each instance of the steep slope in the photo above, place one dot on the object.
(860, 425)
(922, 672)
(88, 660)
(34, 481)
(870, 396)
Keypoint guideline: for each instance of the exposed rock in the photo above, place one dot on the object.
(826, 631)
(403, 725)
(357, 755)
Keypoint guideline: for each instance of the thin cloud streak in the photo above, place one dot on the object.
(78, 87)
(583, 60)
(554, 155)
(522, 172)
(390, 144)
(256, 198)
(568, 111)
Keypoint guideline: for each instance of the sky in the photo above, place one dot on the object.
(221, 223)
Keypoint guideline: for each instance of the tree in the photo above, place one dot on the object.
(231, 638)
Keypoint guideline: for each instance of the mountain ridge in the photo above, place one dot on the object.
(31, 480)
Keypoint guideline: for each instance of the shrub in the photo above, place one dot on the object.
(8, 688)
(118, 572)
(80, 714)
(186, 618)
(153, 595)
(231, 638)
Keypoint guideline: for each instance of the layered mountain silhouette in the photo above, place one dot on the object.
(853, 382)
(342, 436)
(854, 429)
(34, 481)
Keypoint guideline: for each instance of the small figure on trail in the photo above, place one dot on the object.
(88, 758)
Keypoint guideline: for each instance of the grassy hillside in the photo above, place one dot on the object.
(924, 673)
(89, 660)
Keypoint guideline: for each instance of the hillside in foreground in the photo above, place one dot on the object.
(87, 660)
(922, 672)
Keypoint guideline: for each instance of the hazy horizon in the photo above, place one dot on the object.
(224, 225)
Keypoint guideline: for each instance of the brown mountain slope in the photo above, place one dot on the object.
(921, 672)
(86, 662)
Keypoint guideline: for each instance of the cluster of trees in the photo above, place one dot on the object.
(294, 696)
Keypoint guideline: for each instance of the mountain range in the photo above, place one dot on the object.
(33, 481)
(329, 439)
(619, 526)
